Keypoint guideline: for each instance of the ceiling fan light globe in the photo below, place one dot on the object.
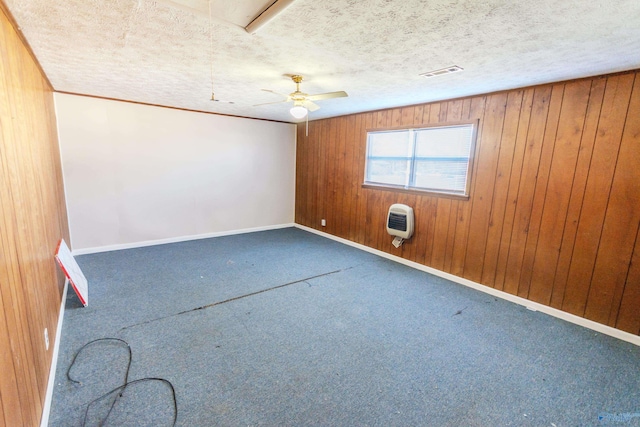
(298, 112)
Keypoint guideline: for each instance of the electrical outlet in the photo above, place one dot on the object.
(323, 222)
(46, 338)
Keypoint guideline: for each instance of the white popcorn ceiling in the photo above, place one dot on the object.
(159, 52)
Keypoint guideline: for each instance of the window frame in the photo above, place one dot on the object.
(418, 190)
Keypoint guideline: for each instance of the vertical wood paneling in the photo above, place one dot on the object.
(32, 219)
(542, 180)
(23, 297)
(323, 158)
(426, 215)
(341, 179)
(513, 189)
(332, 155)
(553, 213)
(314, 162)
(622, 218)
(10, 351)
(577, 192)
(303, 183)
(526, 190)
(312, 159)
(451, 236)
(454, 110)
(605, 153)
(434, 113)
(487, 157)
(500, 187)
(356, 142)
(476, 108)
(626, 189)
(351, 168)
(556, 200)
(439, 249)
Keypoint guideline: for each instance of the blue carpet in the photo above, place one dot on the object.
(287, 328)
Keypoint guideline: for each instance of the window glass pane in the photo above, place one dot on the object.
(448, 175)
(442, 158)
(389, 144)
(387, 171)
(453, 141)
(389, 158)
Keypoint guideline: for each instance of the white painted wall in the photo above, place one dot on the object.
(137, 174)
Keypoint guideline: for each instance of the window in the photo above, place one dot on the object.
(435, 159)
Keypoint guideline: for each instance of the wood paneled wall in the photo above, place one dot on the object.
(554, 210)
(32, 220)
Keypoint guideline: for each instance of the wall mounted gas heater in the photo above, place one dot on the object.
(400, 223)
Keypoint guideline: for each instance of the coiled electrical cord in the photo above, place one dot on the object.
(126, 375)
(120, 389)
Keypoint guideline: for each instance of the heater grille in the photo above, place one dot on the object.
(397, 221)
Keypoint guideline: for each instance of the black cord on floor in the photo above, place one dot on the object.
(126, 375)
(120, 390)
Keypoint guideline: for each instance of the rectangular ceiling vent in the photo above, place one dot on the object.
(447, 70)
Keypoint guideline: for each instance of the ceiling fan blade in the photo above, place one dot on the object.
(310, 105)
(274, 92)
(269, 103)
(321, 96)
(285, 98)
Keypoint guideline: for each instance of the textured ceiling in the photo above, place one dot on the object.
(164, 52)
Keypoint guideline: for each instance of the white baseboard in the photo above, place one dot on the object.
(581, 321)
(178, 239)
(44, 421)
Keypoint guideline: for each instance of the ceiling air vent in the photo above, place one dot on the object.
(447, 70)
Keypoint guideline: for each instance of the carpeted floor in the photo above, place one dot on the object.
(287, 328)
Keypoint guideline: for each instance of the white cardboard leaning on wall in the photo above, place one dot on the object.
(72, 270)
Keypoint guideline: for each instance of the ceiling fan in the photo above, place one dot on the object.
(302, 102)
